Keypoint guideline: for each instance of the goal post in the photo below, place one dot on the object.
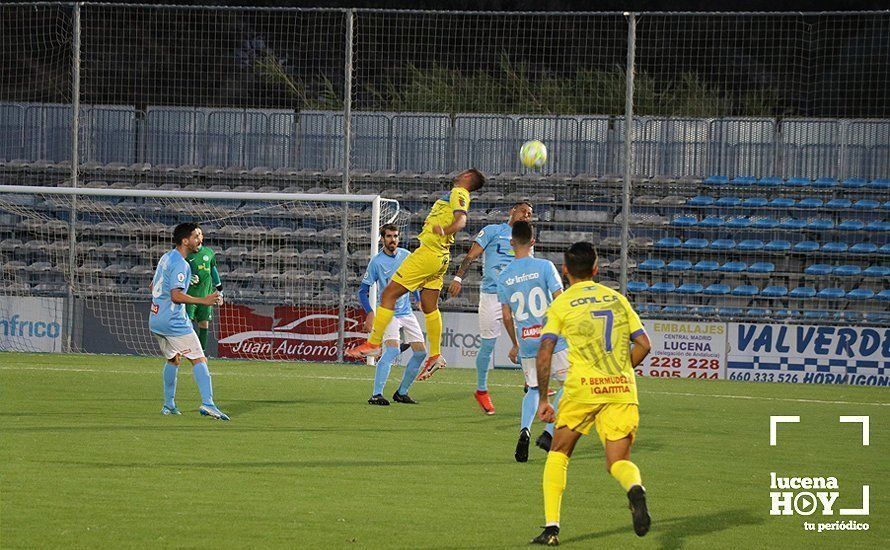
(280, 257)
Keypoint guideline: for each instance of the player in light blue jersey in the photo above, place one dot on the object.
(170, 325)
(380, 270)
(493, 244)
(526, 287)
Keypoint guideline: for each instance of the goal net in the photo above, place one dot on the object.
(77, 265)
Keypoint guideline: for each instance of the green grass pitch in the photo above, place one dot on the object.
(87, 460)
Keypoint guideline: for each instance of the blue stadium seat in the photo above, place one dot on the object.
(851, 225)
(648, 308)
(782, 202)
(675, 308)
(798, 182)
(690, 288)
(816, 314)
(861, 294)
(831, 293)
(723, 244)
(879, 184)
(746, 291)
(825, 183)
(802, 292)
(738, 222)
(685, 221)
(663, 287)
(706, 266)
(733, 267)
(668, 242)
(730, 202)
(706, 310)
(839, 203)
(765, 223)
(854, 183)
(651, 265)
(716, 180)
(810, 203)
(771, 181)
(743, 180)
(847, 270)
(883, 295)
(637, 286)
(785, 313)
(695, 244)
(806, 246)
(701, 200)
(878, 225)
(885, 250)
(679, 265)
(755, 202)
(820, 224)
(793, 223)
(866, 204)
(750, 244)
(712, 221)
(777, 246)
(731, 311)
(774, 291)
(761, 267)
(835, 247)
(717, 289)
(887, 204)
(758, 312)
(863, 248)
(818, 270)
(876, 271)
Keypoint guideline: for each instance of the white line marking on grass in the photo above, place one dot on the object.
(294, 374)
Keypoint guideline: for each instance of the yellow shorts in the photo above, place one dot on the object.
(423, 268)
(613, 421)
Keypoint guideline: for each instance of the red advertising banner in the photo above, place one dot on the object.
(300, 333)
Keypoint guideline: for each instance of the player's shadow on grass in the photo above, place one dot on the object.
(672, 533)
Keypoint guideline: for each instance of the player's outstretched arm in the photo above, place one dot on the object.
(455, 287)
(640, 349)
(542, 365)
(507, 318)
(460, 221)
(177, 296)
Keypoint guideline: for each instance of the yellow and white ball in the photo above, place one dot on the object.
(533, 154)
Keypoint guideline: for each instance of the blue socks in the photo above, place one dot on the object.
(411, 371)
(384, 364)
(529, 408)
(483, 360)
(549, 427)
(170, 371)
(202, 379)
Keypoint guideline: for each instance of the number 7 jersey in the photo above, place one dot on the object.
(598, 324)
(527, 285)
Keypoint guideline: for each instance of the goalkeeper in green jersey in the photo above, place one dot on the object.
(205, 278)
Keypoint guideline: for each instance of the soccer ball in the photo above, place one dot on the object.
(533, 154)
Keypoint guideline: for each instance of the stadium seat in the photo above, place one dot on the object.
(701, 200)
(712, 221)
(820, 224)
(819, 270)
(887, 204)
(679, 265)
(777, 246)
(675, 308)
(771, 181)
(651, 265)
(755, 202)
(876, 271)
(863, 248)
(851, 225)
(802, 292)
(861, 294)
(743, 181)
(835, 247)
(739, 222)
(758, 312)
(810, 203)
(774, 291)
(782, 202)
(731, 311)
(765, 223)
(878, 225)
(853, 183)
(729, 202)
(798, 182)
(806, 246)
(816, 314)
(685, 221)
(723, 244)
(746, 291)
(831, 293)
(690, 288)
(847, 270)
(786, 313)
(706, 310)
(637, 286)
(733, 267)
(793, 224)
(662, 287)
(716, 180)
(879, 184)
(825, 183)
(706, 266)
(695, 244)
(839, 203)
(648, 308)
(717, 289)
(668, 242)
(883, 295)
(866, 204)
(761, 268)
(885, 250)
(750, 244)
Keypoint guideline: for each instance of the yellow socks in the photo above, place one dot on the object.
(382, 317)
(555, 472)
(433, 331)
(627, 474)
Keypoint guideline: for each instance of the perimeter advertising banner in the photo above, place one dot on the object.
(685, 350)
(31, 324)
(809, 354)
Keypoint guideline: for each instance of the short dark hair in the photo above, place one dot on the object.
(478, 178)
(523, 232)
(388, 227)
(581, 260)
(184, 231)
(520, 203)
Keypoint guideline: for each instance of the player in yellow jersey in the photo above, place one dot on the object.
(425, 269)
(600, 390)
